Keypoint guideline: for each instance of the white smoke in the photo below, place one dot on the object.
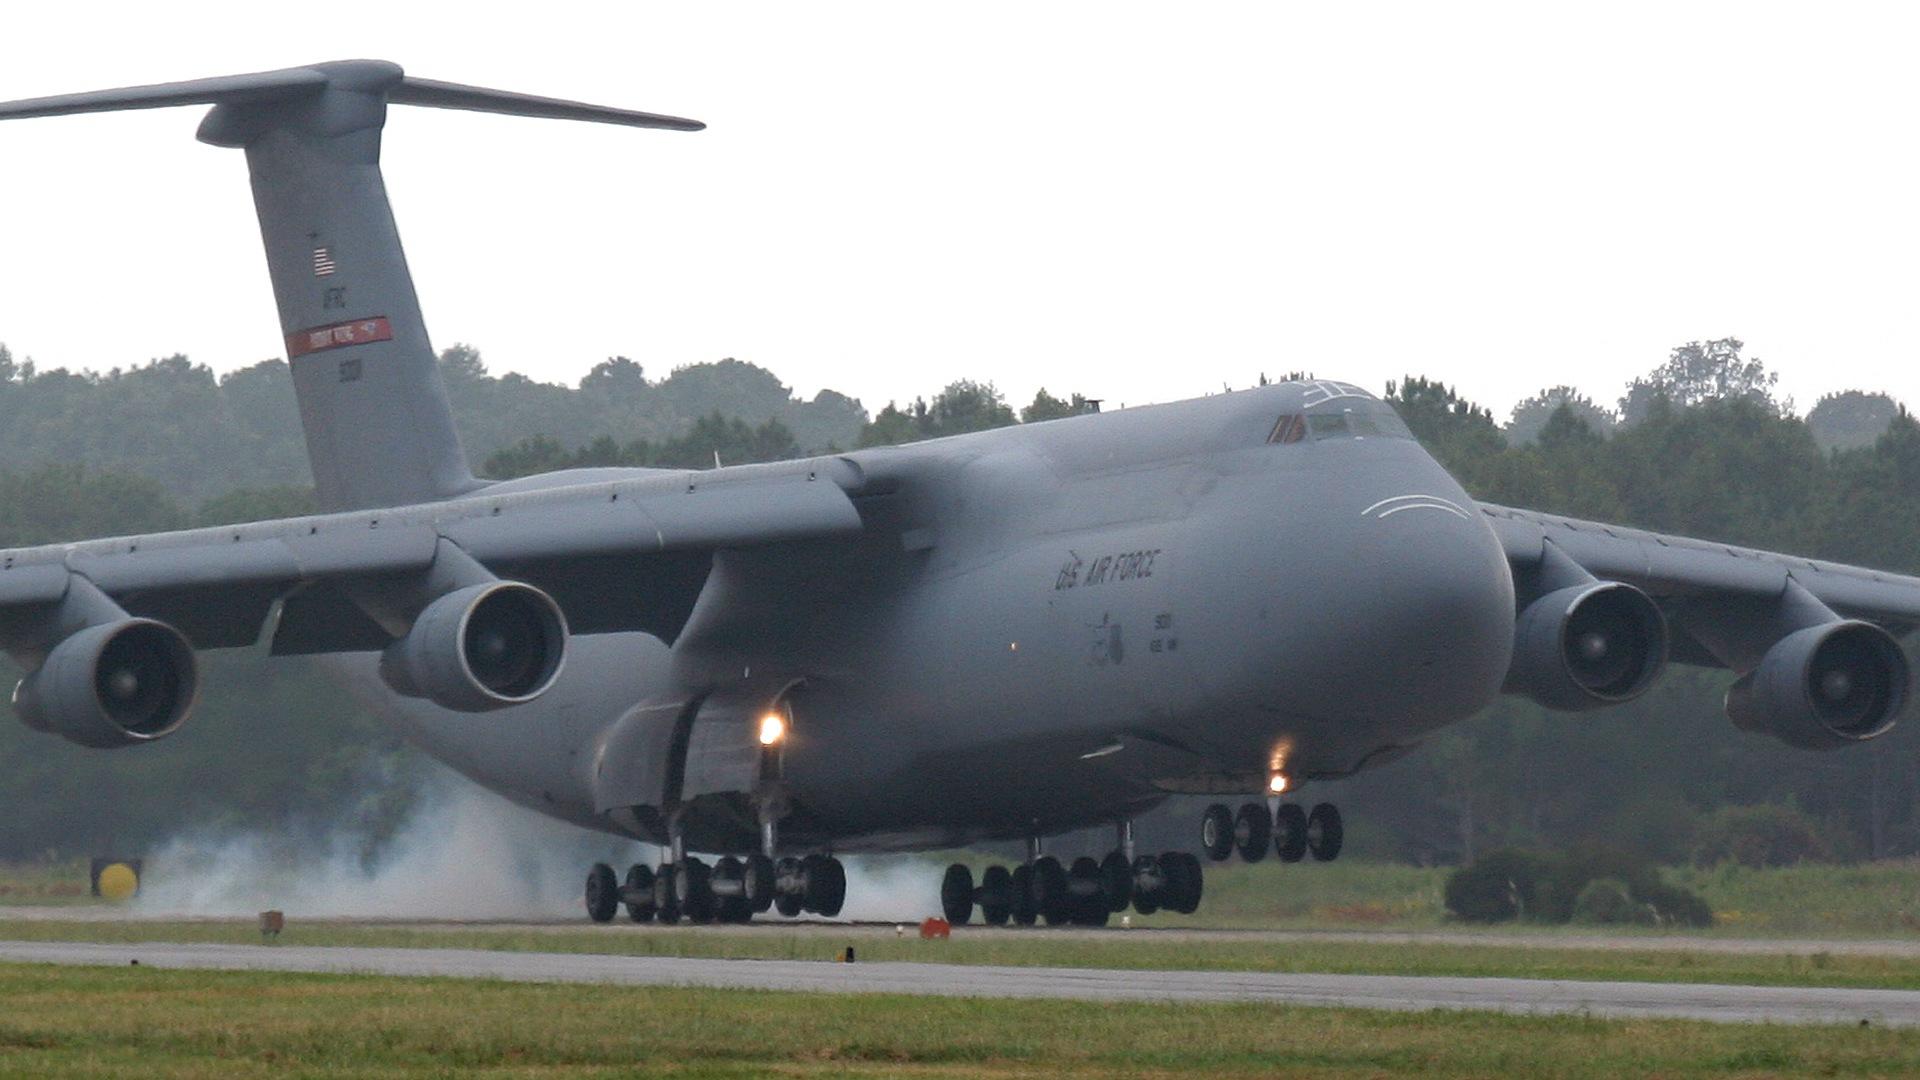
(462, 854)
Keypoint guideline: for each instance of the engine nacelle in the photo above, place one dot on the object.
(1824, 687)
(486, 646)
(1587, 646)
(117, 684)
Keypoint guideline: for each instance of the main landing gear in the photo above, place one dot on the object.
(1292, 832)
(732, 890)
(1086, 892)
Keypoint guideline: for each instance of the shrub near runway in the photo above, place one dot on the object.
(117, 1022)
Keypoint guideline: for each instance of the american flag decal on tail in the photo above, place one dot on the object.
(323, 263)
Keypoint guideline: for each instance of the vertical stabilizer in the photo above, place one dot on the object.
(378, 427)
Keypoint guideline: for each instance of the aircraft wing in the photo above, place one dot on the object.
(1715, 594)
(622, 555)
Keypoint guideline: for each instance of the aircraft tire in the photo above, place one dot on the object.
(1024, 911)
(1325, 833)
(1290, 833)
(666, 899)
(1147, 901)
(1086, 887)
(1183, 882)
(639, 893)
(695, 886)
(759, 882)
(1050, 897)
(826, 884)
(603, 893)
(1116, 881)
(1252, 831)
(956, 895)
(788, 899)
(1216, 832)
(996, 896)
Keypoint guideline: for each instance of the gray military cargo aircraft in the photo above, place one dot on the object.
(1002, 635)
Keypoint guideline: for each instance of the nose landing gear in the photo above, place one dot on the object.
(1293, 832)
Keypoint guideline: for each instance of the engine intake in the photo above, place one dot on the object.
(1587, 646)
(483, 647)
(116, 684)
(1824, 687)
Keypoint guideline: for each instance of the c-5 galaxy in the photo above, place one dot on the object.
(1003, 635)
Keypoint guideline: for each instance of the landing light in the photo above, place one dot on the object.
(773, 728)
(1277, 783)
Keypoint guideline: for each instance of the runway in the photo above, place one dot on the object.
(1613, 1000)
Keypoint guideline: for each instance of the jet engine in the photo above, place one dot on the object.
(1588, 645)
(486, 646)
(114, 684)
(1824, 687)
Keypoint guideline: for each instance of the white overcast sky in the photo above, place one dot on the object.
(1135, 202)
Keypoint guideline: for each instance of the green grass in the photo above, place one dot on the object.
(56, 883)
(1037, 948)
(78, 1022)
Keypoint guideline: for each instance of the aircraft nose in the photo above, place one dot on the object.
(1430, 600)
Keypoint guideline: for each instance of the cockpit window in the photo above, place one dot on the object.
(1359, 420)
(1290, 429)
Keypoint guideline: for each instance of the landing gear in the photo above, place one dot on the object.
(637, 893)
(1325, 834)
(1290, 832)
(1089, 892)
(603, 893)
(1216, 832)
(1252, 831)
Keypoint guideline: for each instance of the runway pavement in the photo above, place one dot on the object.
(1791, 1005)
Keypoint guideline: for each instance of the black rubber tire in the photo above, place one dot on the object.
(1325, 832)
(639, 892)
(1024, 910)
(1196, 882)
(1050, 897)
(1085, 888)
(1147, 901)
(603, 893)
(759, 881)
(790, 904)
(1183, 882)
(1252, 831)
(694, 883)
(666, 899)
(826, 885)
(956, 895)
(996, 896)
(1216, 832)
(732, 909)
(1116, 881)
(1290, 832)
(727, 868)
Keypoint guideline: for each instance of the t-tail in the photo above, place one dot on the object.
(378, 427)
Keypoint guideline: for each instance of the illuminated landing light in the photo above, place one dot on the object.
(773, 728)
(1277, 784)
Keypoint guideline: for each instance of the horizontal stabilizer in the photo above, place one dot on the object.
(377, 77)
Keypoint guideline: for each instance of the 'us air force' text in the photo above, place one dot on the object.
(1106, 568)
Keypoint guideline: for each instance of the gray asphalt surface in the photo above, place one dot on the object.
(1790, 1005)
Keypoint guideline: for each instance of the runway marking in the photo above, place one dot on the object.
(1610, 1000)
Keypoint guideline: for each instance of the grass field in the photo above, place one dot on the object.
(1038, 948)
(67, 1022)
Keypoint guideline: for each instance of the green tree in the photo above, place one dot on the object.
(1850, 419)
(1699, 372)
(1530, 416)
